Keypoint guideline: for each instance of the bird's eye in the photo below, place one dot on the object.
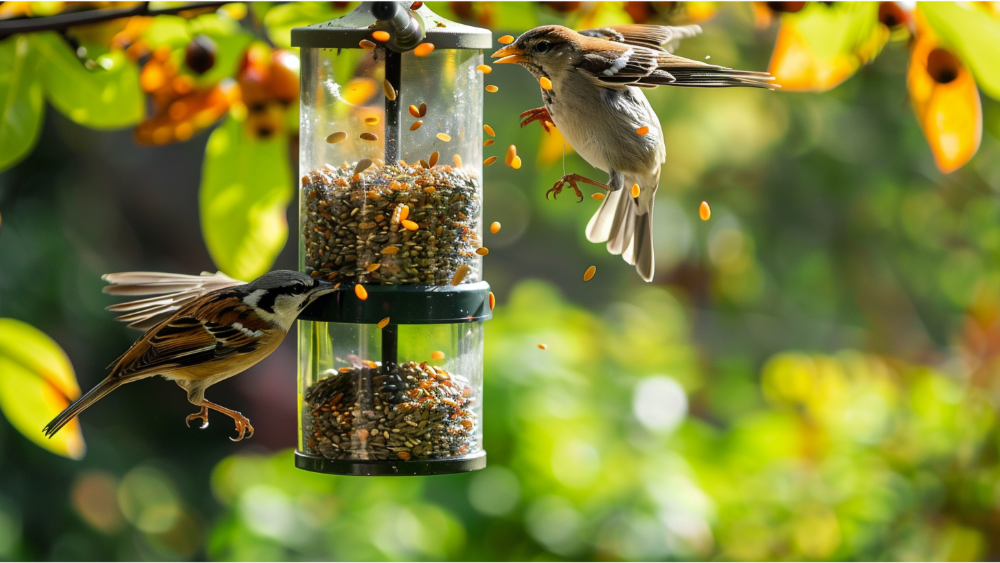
(299, 288)
(542, 46)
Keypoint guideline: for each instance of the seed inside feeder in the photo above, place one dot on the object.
(390, 92)
(409, 412)
(414, 110)
(444, 137)
(369, 136)
(416, 124)
(336, 137)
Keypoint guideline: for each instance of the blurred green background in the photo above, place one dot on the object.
(812, 375)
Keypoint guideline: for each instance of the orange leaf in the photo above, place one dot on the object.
(797, 68)
(946, 102)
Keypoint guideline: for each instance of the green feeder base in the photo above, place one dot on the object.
(320, 464)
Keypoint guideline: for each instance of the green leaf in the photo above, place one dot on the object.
(974, 34)
(246, 186)
(20, 99)
(167, 30)
(280, 19)
(36, 384)
(107, 97)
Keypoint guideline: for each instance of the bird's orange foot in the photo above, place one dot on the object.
(572, 179)
(242, 426)
(242, 423)
(202, 414)
(537, 114)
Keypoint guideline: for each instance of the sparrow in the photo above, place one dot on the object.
(199, 331)
(596, 103)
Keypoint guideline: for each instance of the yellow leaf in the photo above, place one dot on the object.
(821, 46)
(946, 102)
(550, 150)
(36, 383)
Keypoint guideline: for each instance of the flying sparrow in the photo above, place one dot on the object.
(593, 97)
(201, 330)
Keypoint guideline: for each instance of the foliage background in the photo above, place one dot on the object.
(812, 376)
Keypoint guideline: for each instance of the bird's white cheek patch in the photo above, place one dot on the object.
(619, 63)
(247, 331)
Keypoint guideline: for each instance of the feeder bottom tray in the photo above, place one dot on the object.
(409, 413)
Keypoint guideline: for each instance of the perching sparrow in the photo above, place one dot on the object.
(596, 103)
(203, 329)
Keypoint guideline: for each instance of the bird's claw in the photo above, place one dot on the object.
(537, 114)
(202, 414)
(558, 187)
(242, 426)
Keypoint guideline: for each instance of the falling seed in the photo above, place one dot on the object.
(409, 225)
(416, 124)
(589, 273)
(506, 39)
(380, 36)
(598, 196)
(433, 159)
(489, 142)
(491, 89)
(416, 5)
(493, 301)
(437, 355)
(516, 163)
(373, 120)
(423, 110)
(457, 160)
(511, 153)
(336, 137)
(708, 57)
(482, 251)
(489, 161)
(383, 322)
(362, 165)
(366, 45)
(444, 137)
(361, 292)
(390, 92)
(369, 136)
(414, 111)
(485, 69)
(489, 131)
(423, 49)
(373, 267)
(635, 190)
(704, 211)
(495, 227)
(460, 274)
(642, 130)
(404, 212)
(424, 165)
(542, 346)
(545, 82)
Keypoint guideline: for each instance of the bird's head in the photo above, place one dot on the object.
(544, 51)
(280, 296)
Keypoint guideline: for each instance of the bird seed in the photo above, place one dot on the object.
(410, 411)
(420, 223)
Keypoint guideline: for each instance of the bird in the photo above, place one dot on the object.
(591, 83)
(199, 331)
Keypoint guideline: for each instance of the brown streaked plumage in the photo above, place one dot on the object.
(596, 102)
(215, 328)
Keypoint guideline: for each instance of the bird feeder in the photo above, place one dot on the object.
(390, 364)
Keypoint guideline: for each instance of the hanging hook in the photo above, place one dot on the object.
(406, 28)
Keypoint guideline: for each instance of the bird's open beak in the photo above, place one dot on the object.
(510, 54)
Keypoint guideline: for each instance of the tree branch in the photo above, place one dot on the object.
(63, 21)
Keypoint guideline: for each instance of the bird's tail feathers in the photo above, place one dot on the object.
(78, 406)
(627, 232)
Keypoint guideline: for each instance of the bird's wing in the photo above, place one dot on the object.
(189, 339)
(614, 64)
(656, 37)
(173, 291)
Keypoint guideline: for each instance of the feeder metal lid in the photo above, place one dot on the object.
(427, 27)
